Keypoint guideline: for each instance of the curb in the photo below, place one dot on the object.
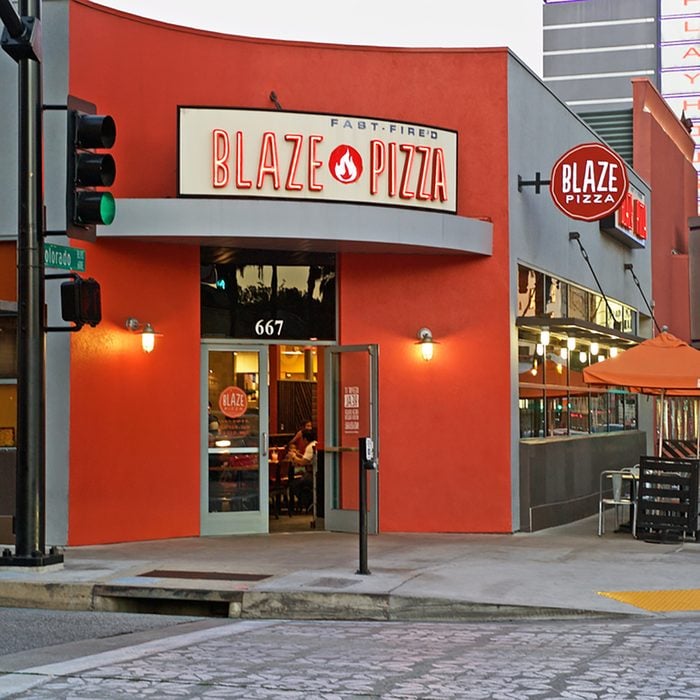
(261, 605)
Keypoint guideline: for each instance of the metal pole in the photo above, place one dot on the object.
(29, 519)
(25, 48)
(362, 508)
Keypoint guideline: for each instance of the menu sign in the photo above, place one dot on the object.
(326, 157)
(351, 410)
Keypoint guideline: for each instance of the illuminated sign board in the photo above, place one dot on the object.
(324, 157)
(629, 223)
(680, 63)
(589, 182)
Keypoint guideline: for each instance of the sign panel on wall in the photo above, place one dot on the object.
(325, 157)
(589, 182)
(629, 222)
(680, 64)
(351, 410)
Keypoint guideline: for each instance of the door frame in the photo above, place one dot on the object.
(336, 519)
(235, 522)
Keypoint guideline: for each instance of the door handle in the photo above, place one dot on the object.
(265, 444)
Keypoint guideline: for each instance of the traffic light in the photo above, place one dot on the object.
(81, 301)
(89, 169)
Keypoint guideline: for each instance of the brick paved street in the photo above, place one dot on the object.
(643, 658)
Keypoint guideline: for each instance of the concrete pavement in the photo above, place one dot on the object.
(557, 572)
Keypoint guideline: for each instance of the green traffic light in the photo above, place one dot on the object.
(94, 208)
(108, 208)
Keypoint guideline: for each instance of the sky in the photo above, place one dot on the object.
(436, 23)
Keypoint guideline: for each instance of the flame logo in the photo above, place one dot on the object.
(345, 164)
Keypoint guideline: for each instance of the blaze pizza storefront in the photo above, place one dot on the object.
(290, 218)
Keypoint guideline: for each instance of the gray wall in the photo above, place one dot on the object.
(560, 479)
(541, 128)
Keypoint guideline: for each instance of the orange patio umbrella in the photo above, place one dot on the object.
(663, 366)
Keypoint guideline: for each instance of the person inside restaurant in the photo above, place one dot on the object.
(300, 459)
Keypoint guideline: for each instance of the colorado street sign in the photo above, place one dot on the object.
(64, 257)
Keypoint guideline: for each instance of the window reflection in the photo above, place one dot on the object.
(554, 399)
(267, 296)
(546, 296)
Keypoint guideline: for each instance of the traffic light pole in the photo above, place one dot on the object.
(31, 438)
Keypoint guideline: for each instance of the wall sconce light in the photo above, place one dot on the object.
(594, 348)
(564, 353)
(426, 342)
(613, 352)
(582, 357)
(148, 333)
(544, 336)
(539, 349)
(571, 344)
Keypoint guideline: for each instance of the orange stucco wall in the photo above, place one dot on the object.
(663, 156)
(8, 271)
(134, 451)
(445, 425)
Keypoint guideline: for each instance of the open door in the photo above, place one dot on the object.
(352, 389)
(234, 470)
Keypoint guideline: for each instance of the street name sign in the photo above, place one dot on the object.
(64, 258)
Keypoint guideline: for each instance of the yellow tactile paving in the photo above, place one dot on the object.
(658, 601)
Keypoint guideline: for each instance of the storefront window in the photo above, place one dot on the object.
(554, 399)
(531, 416)
(531, 292)
(579, 414)
(558, 415)
(543, 295)
(267, 295)
(578, 303)
(555, 303)
(597, 310)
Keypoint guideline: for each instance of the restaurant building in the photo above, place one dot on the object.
(292, 219)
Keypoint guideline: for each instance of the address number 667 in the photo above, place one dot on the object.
(269, 328)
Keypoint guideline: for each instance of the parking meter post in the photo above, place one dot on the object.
(365, 457)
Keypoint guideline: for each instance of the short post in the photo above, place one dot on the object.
(366, 462)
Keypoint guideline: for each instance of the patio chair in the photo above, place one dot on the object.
(622, 493)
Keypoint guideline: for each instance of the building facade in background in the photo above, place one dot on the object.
(594, 52)
(291, 218)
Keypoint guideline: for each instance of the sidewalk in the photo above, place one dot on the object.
(555, 572)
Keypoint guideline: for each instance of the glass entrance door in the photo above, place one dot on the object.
(234, 472)
(351, 385)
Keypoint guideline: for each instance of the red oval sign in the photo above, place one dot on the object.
(233, 401)
(589, 182)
